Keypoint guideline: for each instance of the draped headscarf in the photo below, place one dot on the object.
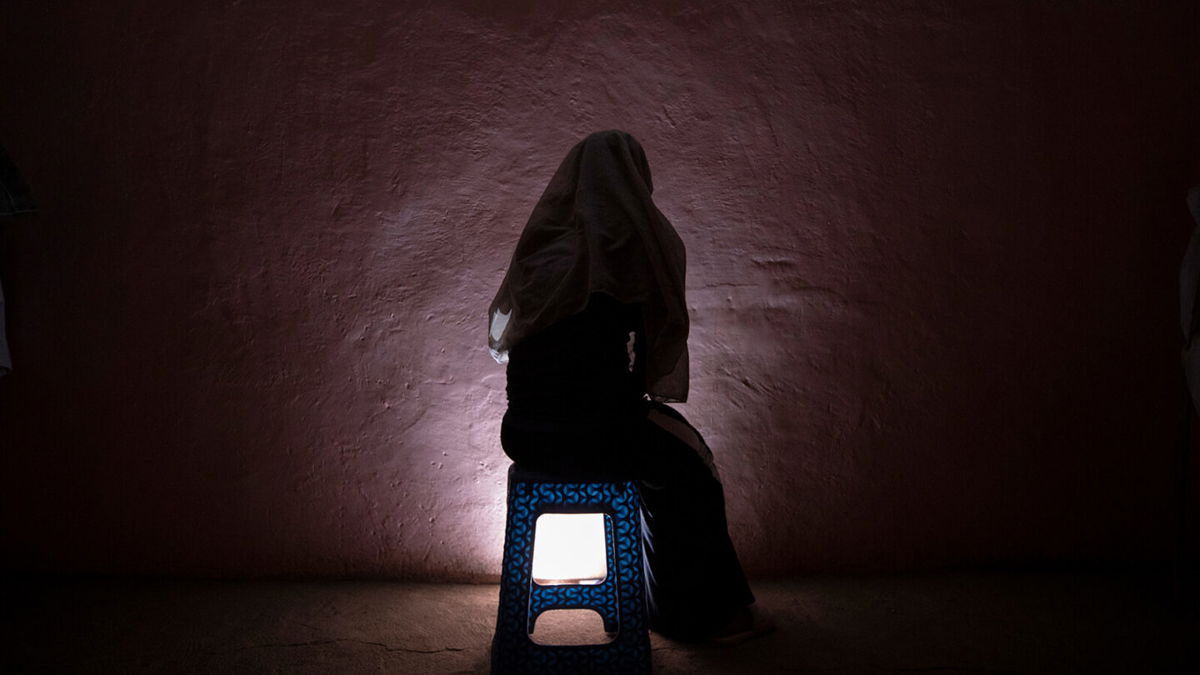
(596, 229)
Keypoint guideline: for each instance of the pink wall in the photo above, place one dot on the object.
(932, 279)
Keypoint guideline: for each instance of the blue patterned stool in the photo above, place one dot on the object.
(619, 598)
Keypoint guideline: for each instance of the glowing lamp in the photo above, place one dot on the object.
(569, 548)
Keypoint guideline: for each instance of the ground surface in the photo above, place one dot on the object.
(964, 622)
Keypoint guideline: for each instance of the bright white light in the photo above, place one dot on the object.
(499, 323)
(568, 548)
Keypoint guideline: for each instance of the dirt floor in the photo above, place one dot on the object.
(1043, 622)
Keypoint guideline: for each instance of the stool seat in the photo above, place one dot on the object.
(619, 598)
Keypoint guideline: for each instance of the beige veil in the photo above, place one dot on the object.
(596, 229)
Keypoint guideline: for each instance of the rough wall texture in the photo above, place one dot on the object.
(932, 251)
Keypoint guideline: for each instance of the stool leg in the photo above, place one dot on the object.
(512, 620)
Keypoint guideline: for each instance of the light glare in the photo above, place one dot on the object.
(568, 548)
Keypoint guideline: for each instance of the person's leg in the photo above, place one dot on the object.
(695, 584)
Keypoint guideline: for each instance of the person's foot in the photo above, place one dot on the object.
(747, 623)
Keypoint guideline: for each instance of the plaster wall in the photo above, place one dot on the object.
(932, 272)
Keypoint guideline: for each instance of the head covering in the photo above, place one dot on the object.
(596, 229)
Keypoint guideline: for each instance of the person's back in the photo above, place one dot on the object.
(582, 370)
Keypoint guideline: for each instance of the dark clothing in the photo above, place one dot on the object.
(576, 407)
(578, 371)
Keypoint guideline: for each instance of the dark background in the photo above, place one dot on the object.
(933, 253)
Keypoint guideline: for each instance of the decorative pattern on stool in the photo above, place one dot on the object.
(619, 599)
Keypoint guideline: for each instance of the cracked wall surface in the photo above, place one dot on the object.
(932, 253)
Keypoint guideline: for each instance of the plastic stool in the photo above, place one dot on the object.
(619, 599)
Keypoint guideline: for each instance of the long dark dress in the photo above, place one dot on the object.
(577, 406)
